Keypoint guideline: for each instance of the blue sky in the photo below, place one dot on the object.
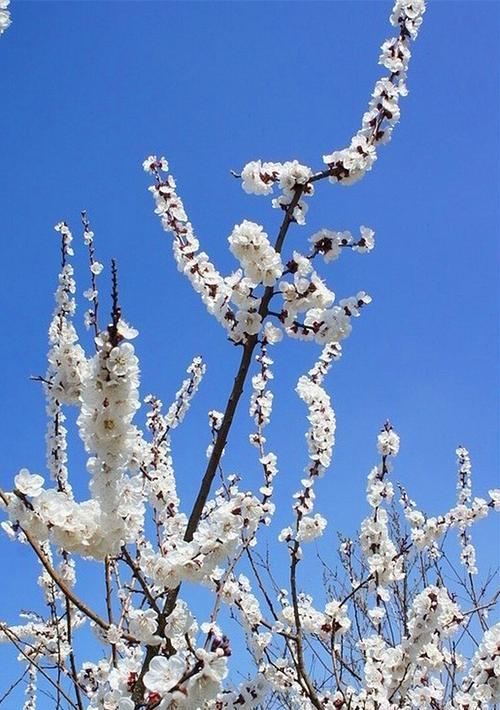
(89, 89)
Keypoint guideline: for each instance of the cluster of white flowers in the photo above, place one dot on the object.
(329, 354)
(379, 488)
(218, 535)
(322, 323)
(380, 552)
(109, 401)
(320, 439)
(350, 164)
(51, 513)
(321, 433)
(237, 592)
(187, 679)
(156, 458)
(464, 491)
(56, 444)
(311, 620)
(249, 694)
(410, 14)
(427, 531)
(30, 692)
(329, 243)
(178, 409)
(250, 245)
(337, 620)
(95, 267)
(204, 277)
(306, 291)
(311, 527)
(5, 20)
(67, 362)
(109, 685)
(433, 613)
(259, 178)
(67, 365)
(396, 676)
(160, 483)
(388, 441)
(481, 686)
(384, 562)
(261, 401)
(231, 299)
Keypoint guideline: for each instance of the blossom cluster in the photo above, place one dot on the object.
(218, 535)
(384, 563)
(96, 268)
(329, 243)
(229, 299)
(349, 165)
(481, 686)
(426, 531)
(259, 178)
(5, 20)
(250, 245)
(307, 293)
(67, 362)
(320, 439)
(232, 299)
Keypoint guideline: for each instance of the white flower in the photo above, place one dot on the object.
(122, 360)
(248, 323)
(285, 535)
(96, 267)
(311, 528)
(90, 294)
(164, 673)
(376, 614)
(29, 484)
(257, 178)
(113, 634)
(366, 241)
(329, 243)
(142, 626)
(207, 683)
(388, 442)
(152, 164)
(5, 20)
(495, 497)
(272, 334)
(293, 173)
(8, 529)
(126, 331)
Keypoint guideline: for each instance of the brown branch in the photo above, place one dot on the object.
(72, 662)
(220, 442)
(137, 574)
(302, 673)
(109, 603)
(13, 685)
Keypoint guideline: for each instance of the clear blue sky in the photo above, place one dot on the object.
(89, 89)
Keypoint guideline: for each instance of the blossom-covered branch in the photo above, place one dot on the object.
(387, 634)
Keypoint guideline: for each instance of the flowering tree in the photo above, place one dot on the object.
(392, 631)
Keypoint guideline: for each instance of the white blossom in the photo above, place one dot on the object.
(29, 484)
